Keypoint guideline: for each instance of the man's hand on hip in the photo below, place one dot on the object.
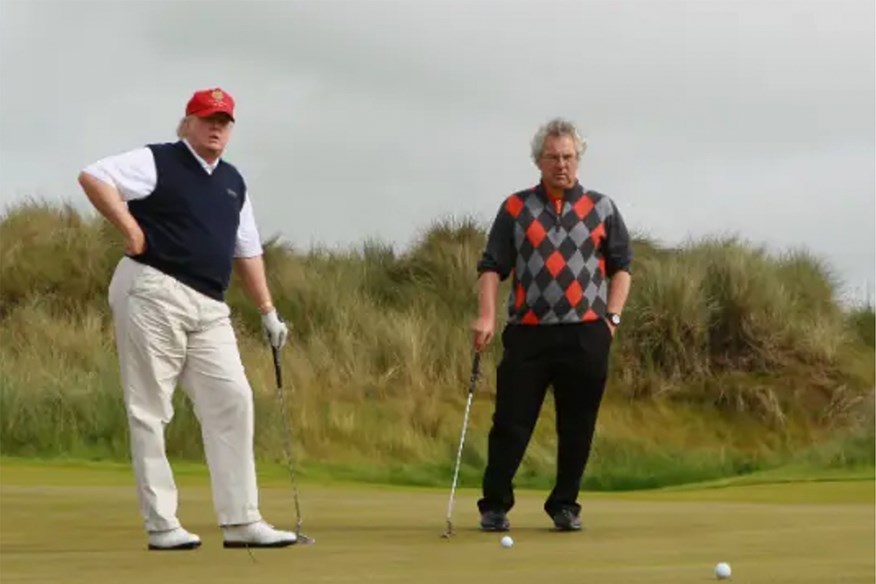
(276, 330)
(135, 241)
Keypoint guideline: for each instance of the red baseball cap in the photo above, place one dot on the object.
(210, 101)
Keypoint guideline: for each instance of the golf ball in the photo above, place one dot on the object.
(507, 541)
(722, 571)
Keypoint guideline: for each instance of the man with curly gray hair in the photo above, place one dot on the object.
(568, 252)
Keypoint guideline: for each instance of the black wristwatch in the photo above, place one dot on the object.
(613, 318)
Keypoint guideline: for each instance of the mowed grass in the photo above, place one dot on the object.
(78, 524)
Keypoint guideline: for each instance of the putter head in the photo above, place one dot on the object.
(304, 539)
(448, 531)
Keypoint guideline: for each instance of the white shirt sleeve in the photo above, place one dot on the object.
(248, 243)
(133, 173)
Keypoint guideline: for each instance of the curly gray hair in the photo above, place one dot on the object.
(557, 127)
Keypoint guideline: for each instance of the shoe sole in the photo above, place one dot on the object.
(496, 529)
(242, 544)
(567, 528)
(176, 548)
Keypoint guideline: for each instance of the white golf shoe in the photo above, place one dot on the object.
(173, 539)
(257, 535)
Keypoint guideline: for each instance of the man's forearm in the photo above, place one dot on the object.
(618, 291)
(106, 199)
(255, 283)
(488, 287)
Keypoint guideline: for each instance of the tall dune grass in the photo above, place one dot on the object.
(729, 358)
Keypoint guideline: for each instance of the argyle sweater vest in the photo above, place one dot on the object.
(559, 273)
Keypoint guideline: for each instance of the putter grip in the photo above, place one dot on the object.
(475, 372)
(277, 371)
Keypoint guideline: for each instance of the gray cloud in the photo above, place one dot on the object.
(754, 118)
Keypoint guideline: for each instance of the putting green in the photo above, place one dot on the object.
(63, 523)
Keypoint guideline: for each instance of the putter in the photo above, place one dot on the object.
(475, 372)
(287, 449)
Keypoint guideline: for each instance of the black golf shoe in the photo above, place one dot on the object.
(566, 520)
(495, 521)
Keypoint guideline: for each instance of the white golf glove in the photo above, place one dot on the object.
(276, 330)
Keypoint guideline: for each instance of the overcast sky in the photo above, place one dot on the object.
(367, 118)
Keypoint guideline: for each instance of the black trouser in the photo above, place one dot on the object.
(573, 359)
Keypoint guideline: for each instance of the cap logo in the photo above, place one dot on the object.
(218, 97)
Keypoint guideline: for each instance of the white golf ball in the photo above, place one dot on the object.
(506, 541)
(722, 571)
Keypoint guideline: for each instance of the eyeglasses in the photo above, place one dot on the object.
(555, 158)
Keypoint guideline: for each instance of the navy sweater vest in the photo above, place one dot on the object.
(190, 220)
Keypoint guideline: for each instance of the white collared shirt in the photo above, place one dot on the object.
(135, 176)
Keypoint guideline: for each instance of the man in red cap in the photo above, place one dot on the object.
(187, 220)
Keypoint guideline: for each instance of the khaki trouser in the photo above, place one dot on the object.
(166, 333)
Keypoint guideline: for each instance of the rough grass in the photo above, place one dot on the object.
(863, 323)
(730, 359)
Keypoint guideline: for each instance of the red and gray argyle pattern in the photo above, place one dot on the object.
(559, 275)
